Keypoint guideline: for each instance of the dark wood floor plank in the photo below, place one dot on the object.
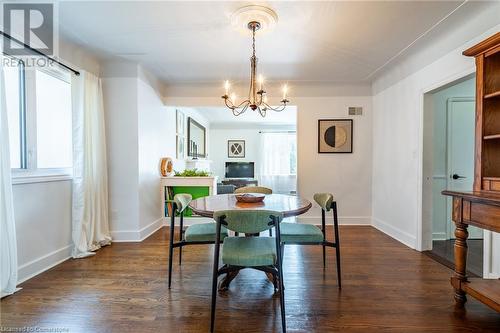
(387, 287)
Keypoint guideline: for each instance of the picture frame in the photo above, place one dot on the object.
(180, 151)
(335, 136)
(236, 148)
(196, 139)
(179, 122)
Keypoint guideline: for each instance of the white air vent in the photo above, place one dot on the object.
(355, 110)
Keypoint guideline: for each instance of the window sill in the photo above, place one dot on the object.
(39, 178)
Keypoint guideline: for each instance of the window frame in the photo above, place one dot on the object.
(29, 172)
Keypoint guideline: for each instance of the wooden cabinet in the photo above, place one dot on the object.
(487, 157)
(481, 207)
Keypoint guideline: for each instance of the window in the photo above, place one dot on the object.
(14, 89)
(278, 165)
(40, 120)
(279, 153)
(53, 122)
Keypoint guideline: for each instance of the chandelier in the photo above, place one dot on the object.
(257, 98)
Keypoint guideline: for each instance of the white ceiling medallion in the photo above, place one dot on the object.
(254, 13)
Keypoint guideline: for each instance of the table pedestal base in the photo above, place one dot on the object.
(232, 271)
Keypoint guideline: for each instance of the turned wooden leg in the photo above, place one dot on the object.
(460, 275)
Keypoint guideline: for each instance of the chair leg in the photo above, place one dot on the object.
(282, 259)
(324, 236)
(180, 237)
(215, 275)
(171, 248)
(282, 293)
(279, 250)
(337, 242)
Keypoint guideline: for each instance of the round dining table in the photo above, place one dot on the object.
(289, 205)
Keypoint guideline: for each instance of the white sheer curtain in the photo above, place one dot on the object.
(90, 179)
(8, 244)
(278, 167)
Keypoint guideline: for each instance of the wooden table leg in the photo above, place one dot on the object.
(226, 280)
(460, 275)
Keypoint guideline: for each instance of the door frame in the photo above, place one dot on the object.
(424, 169)
(449, 109)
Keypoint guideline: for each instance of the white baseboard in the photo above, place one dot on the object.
(119, 236)
(188, 220)
(343, 220)
(39, 265)
(150, 229)
(396, 233)
(439, 236)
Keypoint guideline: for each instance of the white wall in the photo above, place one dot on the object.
(251, 135)
(397, 137)
(347, 176)
(140, 131)
(43, 225)
(198, 116)
(120, 107)
(43, 209)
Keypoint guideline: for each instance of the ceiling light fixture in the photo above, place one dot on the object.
(257, 99)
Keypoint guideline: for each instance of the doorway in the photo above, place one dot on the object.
(450, 112)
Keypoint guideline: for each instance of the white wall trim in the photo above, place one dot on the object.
(488, 256)
(43, 263)
(16, 180)
(343, 220)
(188, 220)
(396, 233)
(150, 229)
(439, 236)
(119, 236)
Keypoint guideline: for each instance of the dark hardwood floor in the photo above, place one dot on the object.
(387, 287)
(443, 251)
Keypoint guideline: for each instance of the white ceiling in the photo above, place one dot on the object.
(194, 42)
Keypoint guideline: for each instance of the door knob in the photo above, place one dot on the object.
(455, 176)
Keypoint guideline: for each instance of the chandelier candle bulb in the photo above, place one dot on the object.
(261, 82)
(285, 91)
(226, 87)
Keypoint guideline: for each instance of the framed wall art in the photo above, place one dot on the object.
(335, 136)
(235, 148)
(180, 151)
(180, 124)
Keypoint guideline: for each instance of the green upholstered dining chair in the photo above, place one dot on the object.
(201, 233)
(261, 253)
(254, 189)
(308, 234)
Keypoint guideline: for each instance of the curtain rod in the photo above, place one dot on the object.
(39, 53)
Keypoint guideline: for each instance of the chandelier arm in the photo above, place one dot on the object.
(237, 113)
(277, 109)
(262, 112)
(247, 102)
(226, 102)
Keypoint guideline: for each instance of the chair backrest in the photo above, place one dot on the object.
(182, 201)
(248, 221)
(324, 200)
(254, 189)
